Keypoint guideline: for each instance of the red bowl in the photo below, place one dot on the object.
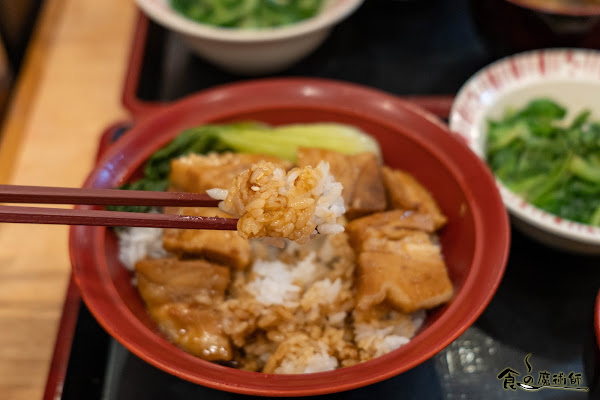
(475, 240)
(592, 353)
(597, 321)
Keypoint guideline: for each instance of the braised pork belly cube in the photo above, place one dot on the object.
(398, 261)
(198, 173)
(340, 168)
(405, 192)
(389, 225)
(378, 242)
(181, 296)
(411, 277)
(359, 174)
(369, 192)
(166, 280)
(195, 328)
(224, 247)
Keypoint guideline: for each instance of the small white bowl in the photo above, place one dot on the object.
(252, 52)
(569, 76)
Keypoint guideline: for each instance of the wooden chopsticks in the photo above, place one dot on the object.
(102, 197)
(55, 195)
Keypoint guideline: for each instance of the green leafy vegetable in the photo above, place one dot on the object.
(247, 13)
(248, 137)
(553, 165)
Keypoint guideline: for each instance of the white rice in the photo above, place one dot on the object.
(324, 291)
(418, 318)
(276, 282)
(303, 273)
(273, 284)
(330, 203)
(138, 243)
(383, 340)
(217, 194)
(392, 342)
(337, 319)
(320, 361)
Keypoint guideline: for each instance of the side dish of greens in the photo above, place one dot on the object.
(247, 137)
(552, 164)
(247, 14)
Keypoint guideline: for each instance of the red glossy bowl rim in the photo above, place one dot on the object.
(491, 242)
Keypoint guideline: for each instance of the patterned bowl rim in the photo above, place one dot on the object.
(502, 77)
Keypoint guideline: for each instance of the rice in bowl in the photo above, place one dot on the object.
(271, 203)
(313, 305)
(293, 310)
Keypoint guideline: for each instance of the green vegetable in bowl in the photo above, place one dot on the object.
(553, 165)
(247, 13)
(248, 137)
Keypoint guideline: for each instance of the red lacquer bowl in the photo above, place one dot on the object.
(591, 356)
(475, 241)
(597, 321)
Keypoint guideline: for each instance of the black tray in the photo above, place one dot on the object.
(544, 305)
(403, 47)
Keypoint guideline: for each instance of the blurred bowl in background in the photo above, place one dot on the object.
(570, 77)
(517, 25)
(252, 51)
(575, 8)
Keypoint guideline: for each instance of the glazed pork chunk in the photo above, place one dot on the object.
(197, 173)
(405, 192)
(398, 261)
(164, 280)
(224, 247)
(194, 328)
(182, 297)
(359, 174)
(386, 226)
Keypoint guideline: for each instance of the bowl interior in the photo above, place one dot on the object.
(331, 12)
(399, 150)
(576, 95)
(475, 241)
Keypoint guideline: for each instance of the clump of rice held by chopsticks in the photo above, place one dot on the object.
(271, 203)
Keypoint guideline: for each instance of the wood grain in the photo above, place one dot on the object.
(68, 91)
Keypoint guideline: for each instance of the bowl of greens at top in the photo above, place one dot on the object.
(535, 118)
(247, 36)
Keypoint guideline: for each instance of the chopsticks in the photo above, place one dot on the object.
(101, 197)
(88, 196)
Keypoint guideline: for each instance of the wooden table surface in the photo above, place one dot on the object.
(68, 91)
